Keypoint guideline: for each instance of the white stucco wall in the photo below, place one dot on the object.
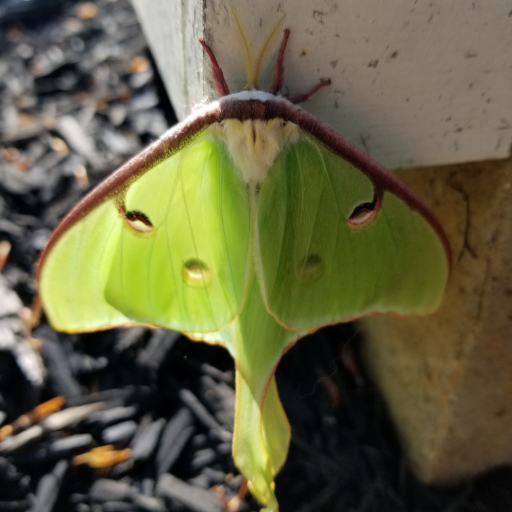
(414, 82)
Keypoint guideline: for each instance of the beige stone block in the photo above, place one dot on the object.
(447, 377)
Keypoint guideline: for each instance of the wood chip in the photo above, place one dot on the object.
(86, 10)
(198, 500)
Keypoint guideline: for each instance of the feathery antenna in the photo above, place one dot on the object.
(247, 57)
(253, 66)
(263, 49)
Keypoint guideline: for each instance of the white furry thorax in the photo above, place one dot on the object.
(254, 144)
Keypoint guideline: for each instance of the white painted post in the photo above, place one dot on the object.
(414, 83)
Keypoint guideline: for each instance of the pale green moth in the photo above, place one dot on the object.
(249, 224)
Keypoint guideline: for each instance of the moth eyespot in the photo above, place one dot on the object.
(138, 221)
(310, 269)
(196, 274)
(364, 213)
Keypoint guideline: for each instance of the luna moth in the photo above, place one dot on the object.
(249, 224)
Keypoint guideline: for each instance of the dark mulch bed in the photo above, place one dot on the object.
(79, 95)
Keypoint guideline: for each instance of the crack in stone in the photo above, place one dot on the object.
(466, 245)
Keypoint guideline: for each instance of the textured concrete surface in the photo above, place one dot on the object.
(447, 377)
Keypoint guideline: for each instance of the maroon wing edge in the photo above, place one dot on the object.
(256, 109)
(162, 148)
(233, 108)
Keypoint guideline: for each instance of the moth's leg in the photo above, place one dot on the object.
(218, 76)
(278, 76)
(303, 97)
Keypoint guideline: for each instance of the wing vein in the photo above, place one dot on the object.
(204, 190)
(194, 243)
(280, 248)
(148, 280)
(312, 232)
(100, 291)
(326, 172)
(223, 227)
(70, 295)
(184, 310)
